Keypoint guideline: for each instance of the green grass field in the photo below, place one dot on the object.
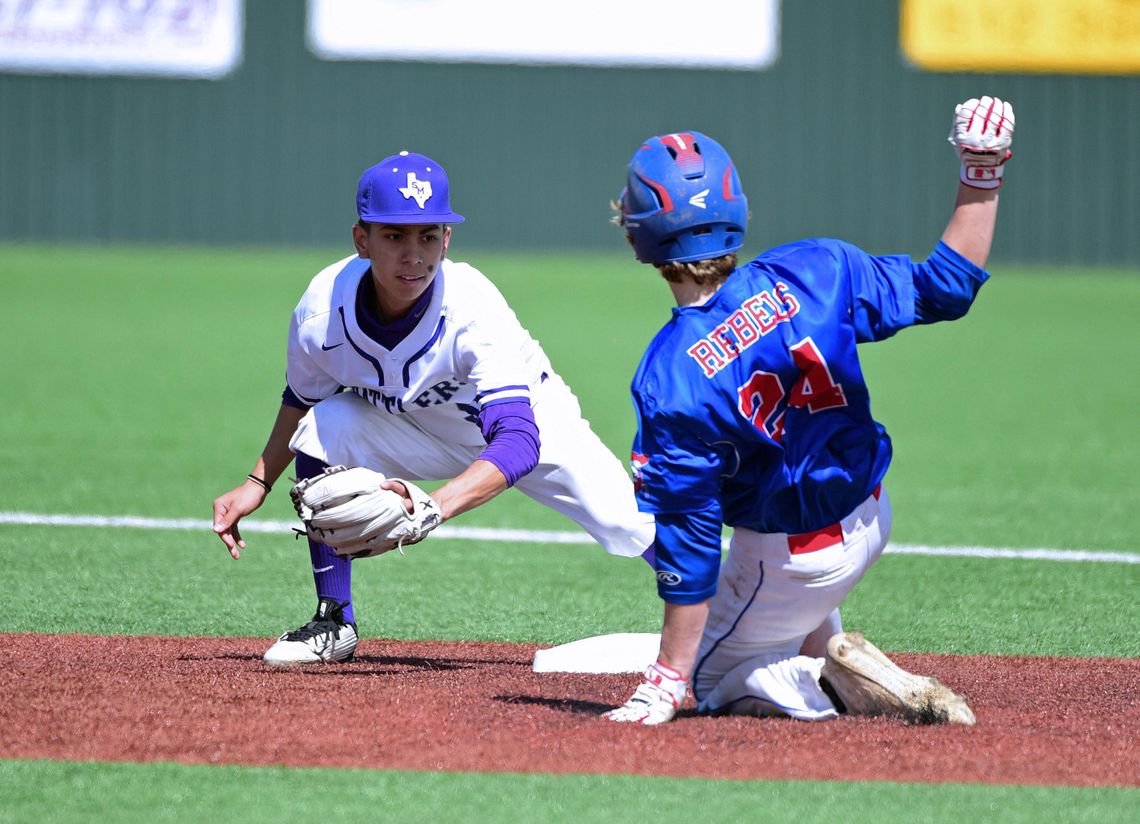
(143, 382)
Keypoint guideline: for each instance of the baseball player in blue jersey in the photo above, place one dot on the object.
(753, 413)
(442, 383)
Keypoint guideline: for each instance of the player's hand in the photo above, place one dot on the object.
(231, 508)
(402, 491)
(981, 134)
(656, 700)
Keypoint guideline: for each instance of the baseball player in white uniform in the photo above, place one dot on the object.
(407, 363)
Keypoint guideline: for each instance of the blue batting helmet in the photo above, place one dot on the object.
(683, 200)
(405, 188)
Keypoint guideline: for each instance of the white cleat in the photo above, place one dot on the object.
(325, 639)
(870, 683)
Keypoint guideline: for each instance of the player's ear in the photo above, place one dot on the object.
(360, 240)
(446, 238)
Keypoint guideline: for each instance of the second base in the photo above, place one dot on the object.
(620, 652)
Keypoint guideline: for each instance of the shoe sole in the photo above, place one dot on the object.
(299, 653)
(281, 660)
(869, 683)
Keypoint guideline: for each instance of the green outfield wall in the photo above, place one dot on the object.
(839, 137)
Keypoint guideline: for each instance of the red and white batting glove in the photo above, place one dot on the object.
(981, 134)
(656, 700)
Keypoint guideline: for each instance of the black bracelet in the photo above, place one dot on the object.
(264, 484)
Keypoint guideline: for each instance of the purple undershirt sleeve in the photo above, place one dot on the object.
(512, 438)
(289, 398)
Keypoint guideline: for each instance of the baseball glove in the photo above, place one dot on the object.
(347, 510)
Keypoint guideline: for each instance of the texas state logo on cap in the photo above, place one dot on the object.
(405, 188)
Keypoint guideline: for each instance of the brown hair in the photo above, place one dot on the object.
(713, 271)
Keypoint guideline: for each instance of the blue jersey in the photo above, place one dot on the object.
(752, 410)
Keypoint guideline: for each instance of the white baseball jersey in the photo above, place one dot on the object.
(413, 411)
(468, 350)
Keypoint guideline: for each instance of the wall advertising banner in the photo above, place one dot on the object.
(664, 33)
(1053, 36)
(173, 38)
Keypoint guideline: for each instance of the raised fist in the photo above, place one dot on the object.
(981, 133)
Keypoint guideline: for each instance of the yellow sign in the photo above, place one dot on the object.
(1054, 36)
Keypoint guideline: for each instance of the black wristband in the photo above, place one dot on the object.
(264, 484)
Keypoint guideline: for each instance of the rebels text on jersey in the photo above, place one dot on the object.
(752, 408)
(467, 351)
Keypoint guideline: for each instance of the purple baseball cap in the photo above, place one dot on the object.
(405, 188)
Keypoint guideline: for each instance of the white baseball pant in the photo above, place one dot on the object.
(772, 605)
(576, 474)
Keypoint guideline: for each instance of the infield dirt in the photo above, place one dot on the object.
(479, 707)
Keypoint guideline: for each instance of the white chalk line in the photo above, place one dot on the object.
(532, 536)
